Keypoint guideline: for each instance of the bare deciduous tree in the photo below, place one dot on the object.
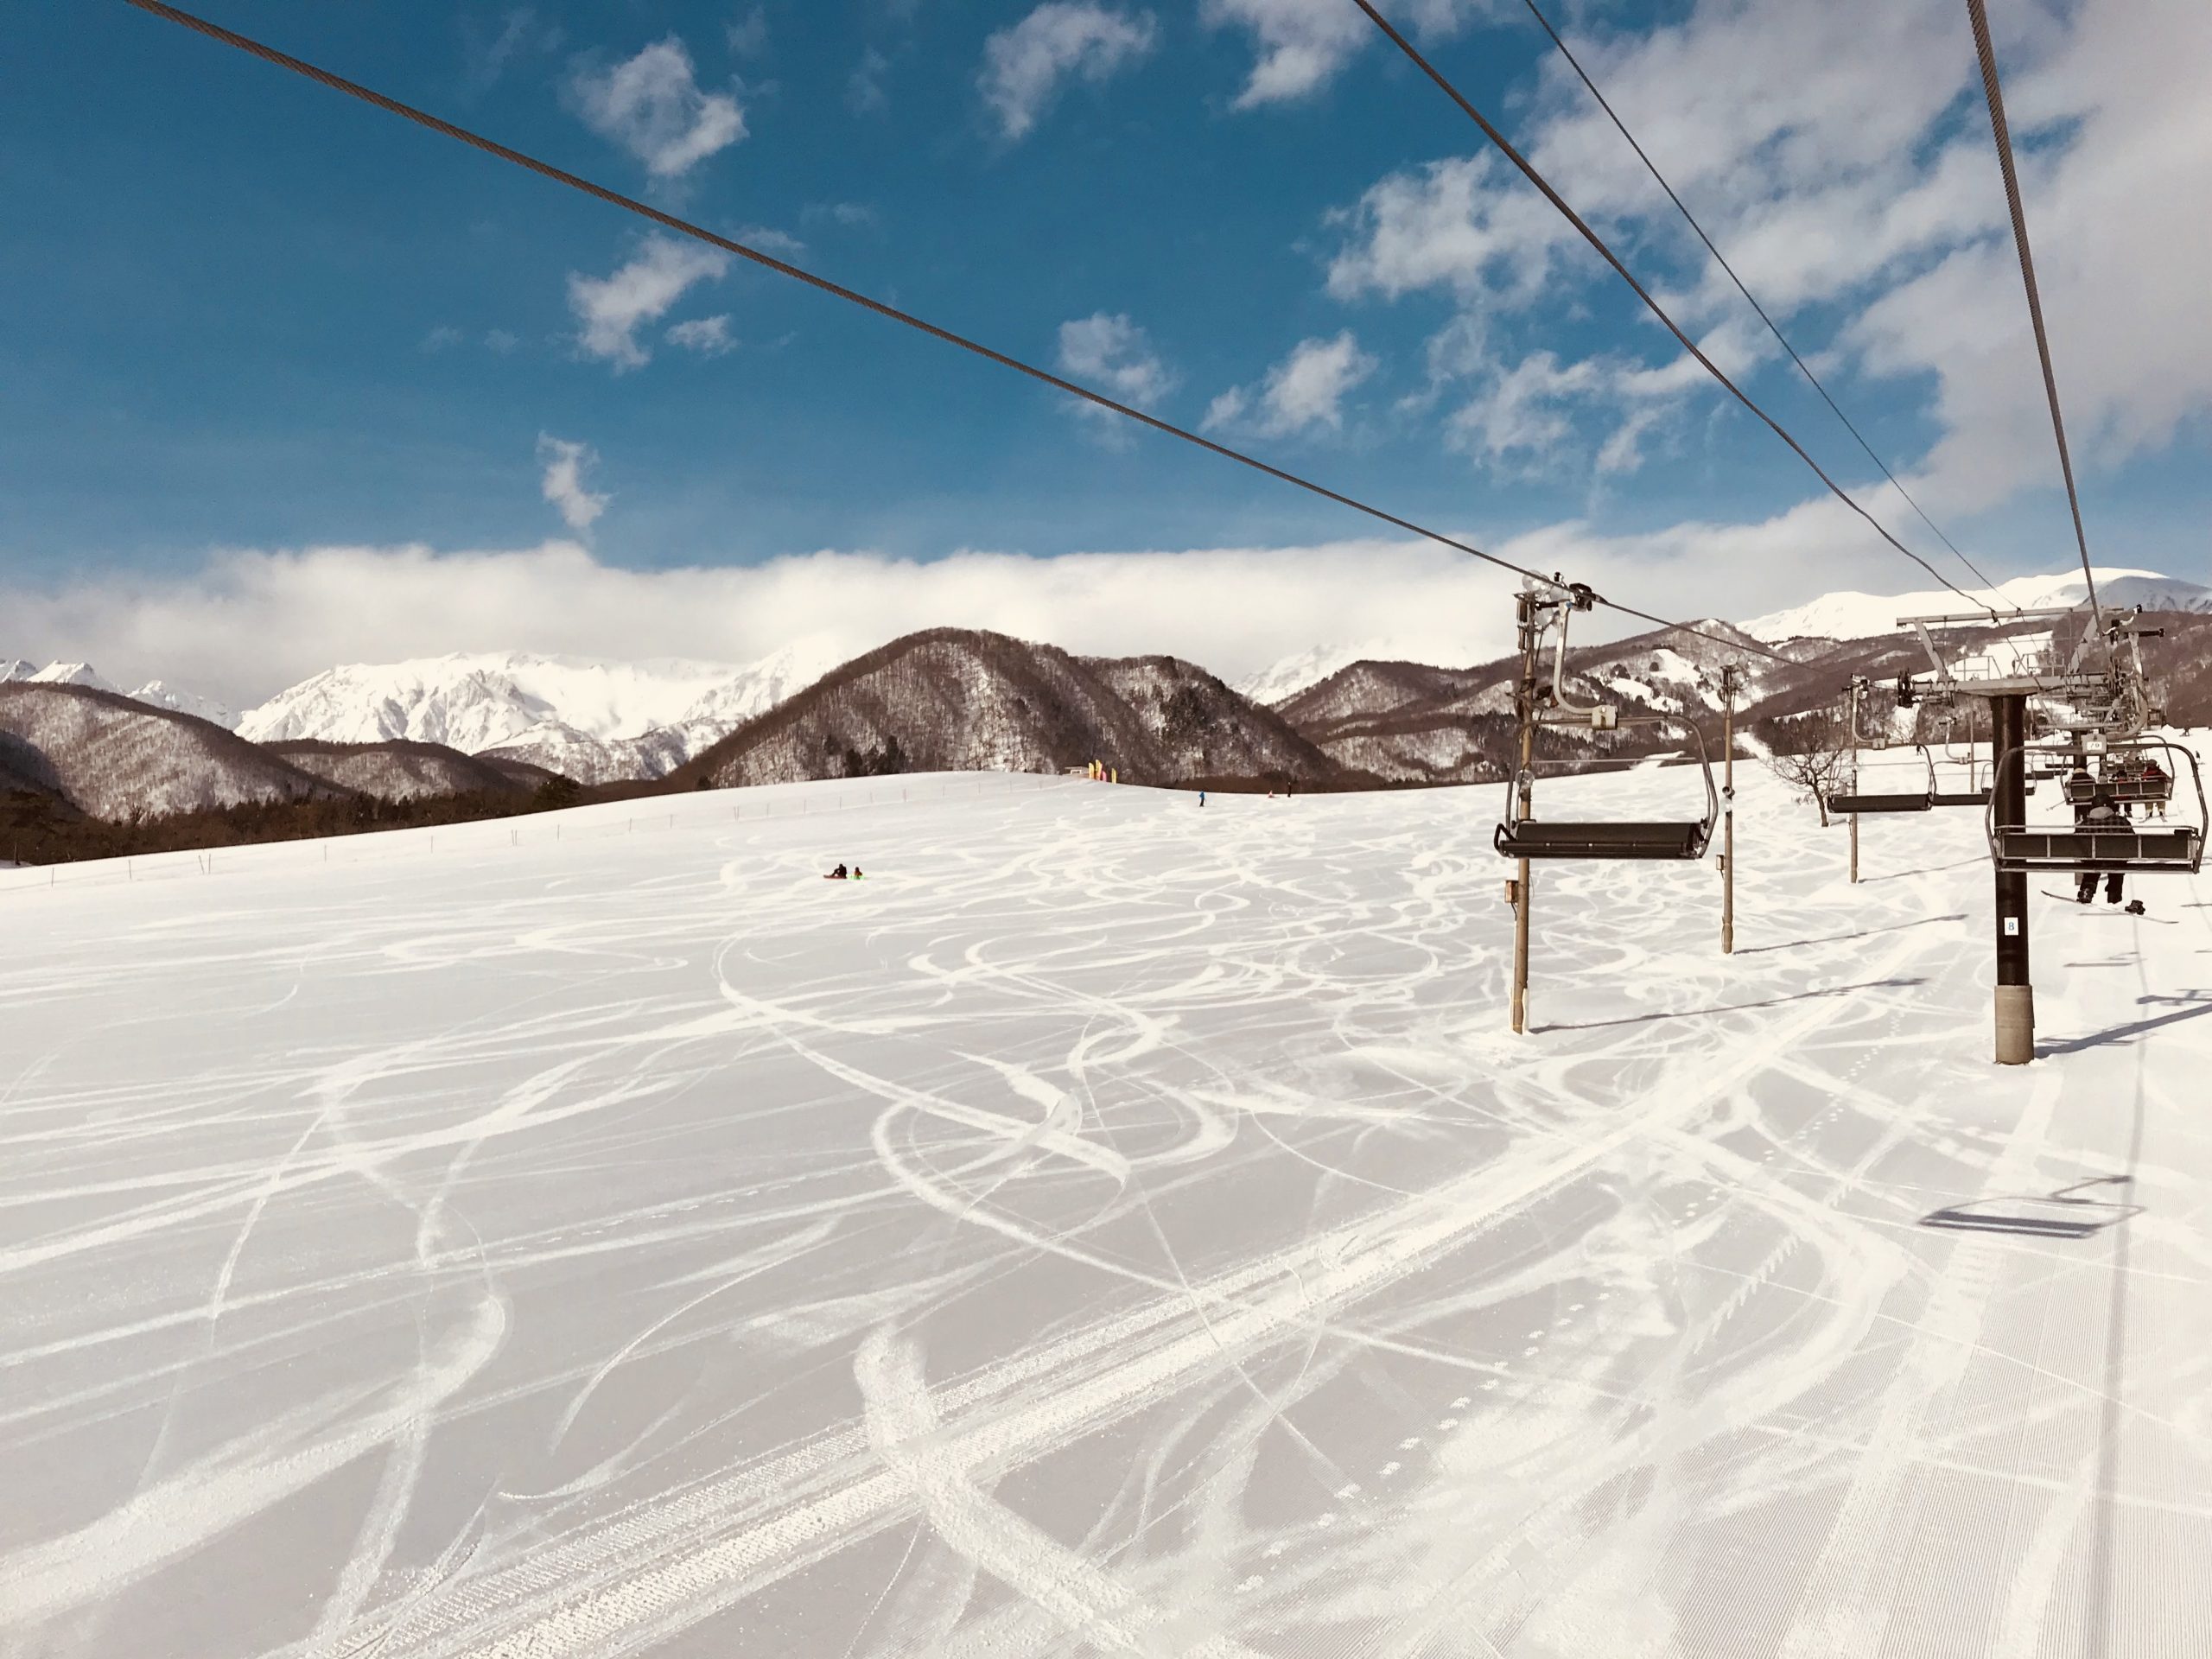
(1813, 754)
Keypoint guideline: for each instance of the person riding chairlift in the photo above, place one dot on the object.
(2153, 773)
(2100, 811)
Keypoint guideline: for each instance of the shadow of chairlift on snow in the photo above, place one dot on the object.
(2189, 1005)
(2057, 1216)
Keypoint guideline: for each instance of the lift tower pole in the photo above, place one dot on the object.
(2016, 996)
(1728, 813)
(1855, 683)
(1524, 787)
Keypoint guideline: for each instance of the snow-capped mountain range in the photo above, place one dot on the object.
(594, 721)
(161, 695)
(1862, 616)
(600, 720)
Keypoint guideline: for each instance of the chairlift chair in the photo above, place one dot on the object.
(2112, 778)
(1915, 801)
(1939, 796)
(1673, 839)
(2116, 847)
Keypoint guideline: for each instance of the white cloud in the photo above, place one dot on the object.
(1109, 353)
(2119, 269)
(1530, 417)
(1023, 65)
(652, 106)
(1840, 158)
(864, 92)
(565, 464)
(442, 338)
(1302, 43)
(613, 309)
(1521, 412)
(502, 340)
(488, 55)
(709, 336)
(1467, 225)
(748, 36)
(1307, 390)
(766, 238)
(246, 624)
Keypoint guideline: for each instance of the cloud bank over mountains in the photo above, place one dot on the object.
(247, 623)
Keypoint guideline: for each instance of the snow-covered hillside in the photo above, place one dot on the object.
(116, 757)
(593, 720)
(186, 702)
(1849, 615)
(154, 692)
(1843, 616)
(1115, 1226)
(1286, 678)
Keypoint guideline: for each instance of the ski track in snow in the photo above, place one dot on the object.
(1115, 1226)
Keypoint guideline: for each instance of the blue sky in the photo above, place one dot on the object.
(249, 316)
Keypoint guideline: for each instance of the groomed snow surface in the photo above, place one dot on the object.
(1115, 1226)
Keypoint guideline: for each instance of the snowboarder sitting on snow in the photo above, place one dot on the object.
(837, 874)
(2103, 813)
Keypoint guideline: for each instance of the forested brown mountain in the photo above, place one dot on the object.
(401, 769)
(950, 699)
(1410, 722)
(114, 758)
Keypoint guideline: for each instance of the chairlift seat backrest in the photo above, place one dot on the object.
(2125, 792)
(2086, 850)
(1916, 803)
(1960, 798)
(1561, 838)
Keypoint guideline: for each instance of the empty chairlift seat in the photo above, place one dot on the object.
(1561, 838)
(1916, 803)
(1917, 800)
(1677, 839)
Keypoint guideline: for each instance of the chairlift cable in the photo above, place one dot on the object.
(2003, 134)
(1543, 185)
(685, 227)
(1749, 298)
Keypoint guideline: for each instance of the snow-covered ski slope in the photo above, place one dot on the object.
(1114, 1226)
